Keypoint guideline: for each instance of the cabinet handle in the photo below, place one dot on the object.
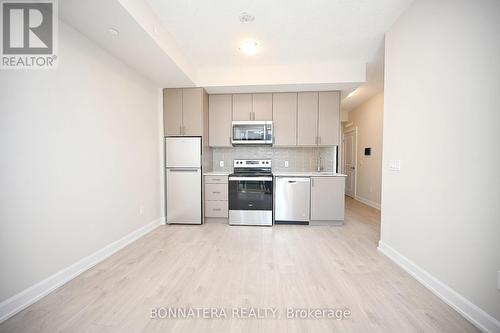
(215, 192)
(250, 114)
(216, 209)
(216, 179)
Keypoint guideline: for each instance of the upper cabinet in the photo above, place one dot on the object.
(299, 119)
(318, 118)
(307, 118)
(252, 107)
(285, 119)
(184, 111)
(242, 107)
(220, 117)
(172, 111)
(262, 106)
(328, 118)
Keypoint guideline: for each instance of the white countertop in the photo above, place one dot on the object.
(285, 174)
(217, 173)
(307, 174)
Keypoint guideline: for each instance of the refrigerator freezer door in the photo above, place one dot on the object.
(184, 196)
(183, 152)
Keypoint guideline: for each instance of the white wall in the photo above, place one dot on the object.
(442, 120)
(80, 153)
(368, 118)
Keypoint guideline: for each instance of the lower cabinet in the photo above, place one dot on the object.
(216, 196)
(327, 198)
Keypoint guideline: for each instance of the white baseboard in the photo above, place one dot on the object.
(19, 302)
(367, 202)
(466, 308)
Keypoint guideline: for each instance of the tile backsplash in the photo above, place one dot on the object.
(299, 158)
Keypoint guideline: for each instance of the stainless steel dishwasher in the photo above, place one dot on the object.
(292, 200)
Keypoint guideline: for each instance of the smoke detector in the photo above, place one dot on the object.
(246, 17)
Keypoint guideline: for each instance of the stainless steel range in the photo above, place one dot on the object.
(251, 193)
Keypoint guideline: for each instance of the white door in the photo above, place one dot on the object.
(184, 196)
(349, 148)
(183, 152)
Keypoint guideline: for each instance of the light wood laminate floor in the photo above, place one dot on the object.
(216, 265)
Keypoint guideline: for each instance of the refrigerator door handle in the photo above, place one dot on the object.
(184, 169)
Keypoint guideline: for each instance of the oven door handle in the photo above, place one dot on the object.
(267, 179)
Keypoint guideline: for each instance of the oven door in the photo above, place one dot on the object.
(251, 132)
(251, 193)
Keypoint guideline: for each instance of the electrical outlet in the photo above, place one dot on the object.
(286, 164)
(221, 164)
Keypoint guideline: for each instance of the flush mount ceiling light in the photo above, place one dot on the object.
(246, 17)
(113, 32)
(249, 47)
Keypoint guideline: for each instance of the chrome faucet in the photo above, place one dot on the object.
(318, 163)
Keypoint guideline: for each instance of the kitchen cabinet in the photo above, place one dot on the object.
(307, 118)
(216, 196)
(192, 111)
(242, 107)
(327, 198)
(184, 111)
(318, 116)
(328, 118)
(252, 107)
(285, 119)
(172, 113)
(262, 106)
(220, 118)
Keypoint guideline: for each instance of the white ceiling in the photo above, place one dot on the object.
(374, 81)
(135, 46)
(305, 45)
(289, 31)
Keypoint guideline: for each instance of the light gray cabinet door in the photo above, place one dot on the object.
(327, 198)
(285, 119)
(262, 106)
(172, 111)
(219, 120)
(307, 118)
(242, 107)
(192, 111)
(329, 118)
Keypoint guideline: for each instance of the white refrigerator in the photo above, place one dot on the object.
(183, 180)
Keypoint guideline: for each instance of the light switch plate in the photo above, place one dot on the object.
(395, 165)
(221, 164)
(286, 164)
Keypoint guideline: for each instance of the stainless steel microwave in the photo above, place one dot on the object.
(252, 133)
